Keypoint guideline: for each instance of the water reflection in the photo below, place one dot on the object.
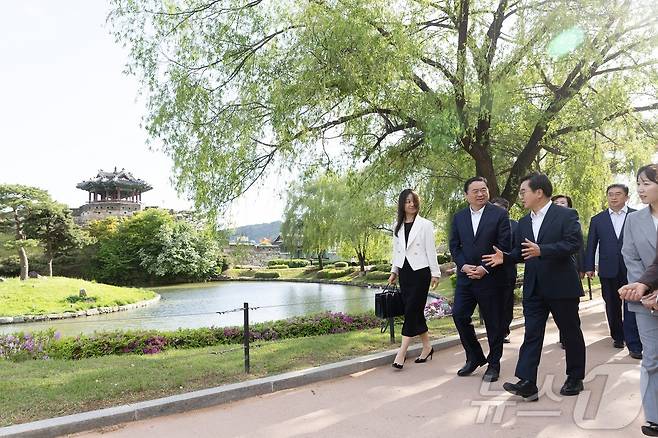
(193, 305)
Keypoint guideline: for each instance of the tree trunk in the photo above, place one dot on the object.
(50, 267)
(362, 260)
(22, 255)
(320, 261)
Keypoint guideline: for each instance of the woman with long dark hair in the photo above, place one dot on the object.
(414, 262)
(639, 251)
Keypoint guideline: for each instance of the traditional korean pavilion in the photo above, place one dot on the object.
(116, 193)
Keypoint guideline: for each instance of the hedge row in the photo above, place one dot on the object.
(266, 274)
(152, 342)
(334, 273)
(292, 263)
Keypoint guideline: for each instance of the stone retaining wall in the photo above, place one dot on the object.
(76, 314)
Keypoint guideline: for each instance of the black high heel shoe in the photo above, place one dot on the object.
(397, 365)
(424, 359)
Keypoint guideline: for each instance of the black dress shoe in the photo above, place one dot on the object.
(397, 366)
(618, 344)
(491, 375)
(506, 340)
(470, 366)
(635, 354)
(561, 345)
(650, 429)
(524, 388)
(572, 386)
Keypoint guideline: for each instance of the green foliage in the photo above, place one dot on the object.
(276, 262)
(52, 225)
(248, 88)
(297, 263)
(340, 265)
(152, 246)
(266, 274)
(334, 273)
(16, 203)
(377, 275)
(384, 267)
(277, 267)
(152, 342)
(444, 258)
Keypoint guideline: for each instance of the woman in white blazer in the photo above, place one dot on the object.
(639, 252)
(414, 262)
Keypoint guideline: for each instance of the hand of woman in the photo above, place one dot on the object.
(393, 278)
(434, 283)
(633, 291)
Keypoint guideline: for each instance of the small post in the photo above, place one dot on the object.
(589, 286)
(391, 323)
(246, 338)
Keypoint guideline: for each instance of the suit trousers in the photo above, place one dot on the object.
(467, 297)
(508, 305)
(621, 322)
(566, 317)
(648, 328)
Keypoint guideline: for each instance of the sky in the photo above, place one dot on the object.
(67, 110)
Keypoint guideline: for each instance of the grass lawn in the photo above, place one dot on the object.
(36, 390)
(43, 295)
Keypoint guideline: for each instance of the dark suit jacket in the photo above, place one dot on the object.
(552, 275)
(602, 234)
(494, 229)
(650, 277)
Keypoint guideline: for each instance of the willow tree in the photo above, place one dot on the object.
(444, 88)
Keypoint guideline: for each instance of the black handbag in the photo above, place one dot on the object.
(389, 303)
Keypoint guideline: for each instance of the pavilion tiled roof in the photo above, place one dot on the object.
(119, 179)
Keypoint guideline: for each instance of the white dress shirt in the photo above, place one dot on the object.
(655, 222)
(475, 219)
(538, 218)
(618, 219)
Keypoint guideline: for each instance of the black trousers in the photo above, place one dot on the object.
(508, 305)
(414, 286)
(490, 301)
(567, 319)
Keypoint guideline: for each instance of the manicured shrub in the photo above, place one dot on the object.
(340, 265)
(152, 342)
(247, 273)
(297, 263)
(334, 273)
(277, 266)
(377, 275)
(386, 267)
(266, 274)
(311, 269)
(444, 258)
(277, 262)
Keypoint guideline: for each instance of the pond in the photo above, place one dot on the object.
(194, 305)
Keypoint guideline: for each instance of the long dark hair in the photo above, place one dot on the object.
(401, 200)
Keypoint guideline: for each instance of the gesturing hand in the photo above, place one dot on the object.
(530, 250)
(494, 259)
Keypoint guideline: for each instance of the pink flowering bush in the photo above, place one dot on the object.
(438, 308)
(27, 346)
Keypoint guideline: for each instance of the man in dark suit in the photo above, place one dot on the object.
(510, 270)
(606, 231)
(475, 231)
(550, 237)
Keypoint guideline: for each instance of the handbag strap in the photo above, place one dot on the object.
(391, 288)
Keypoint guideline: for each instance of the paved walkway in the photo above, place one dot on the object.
(429, 400)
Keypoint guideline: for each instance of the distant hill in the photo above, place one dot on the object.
(257, 232)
